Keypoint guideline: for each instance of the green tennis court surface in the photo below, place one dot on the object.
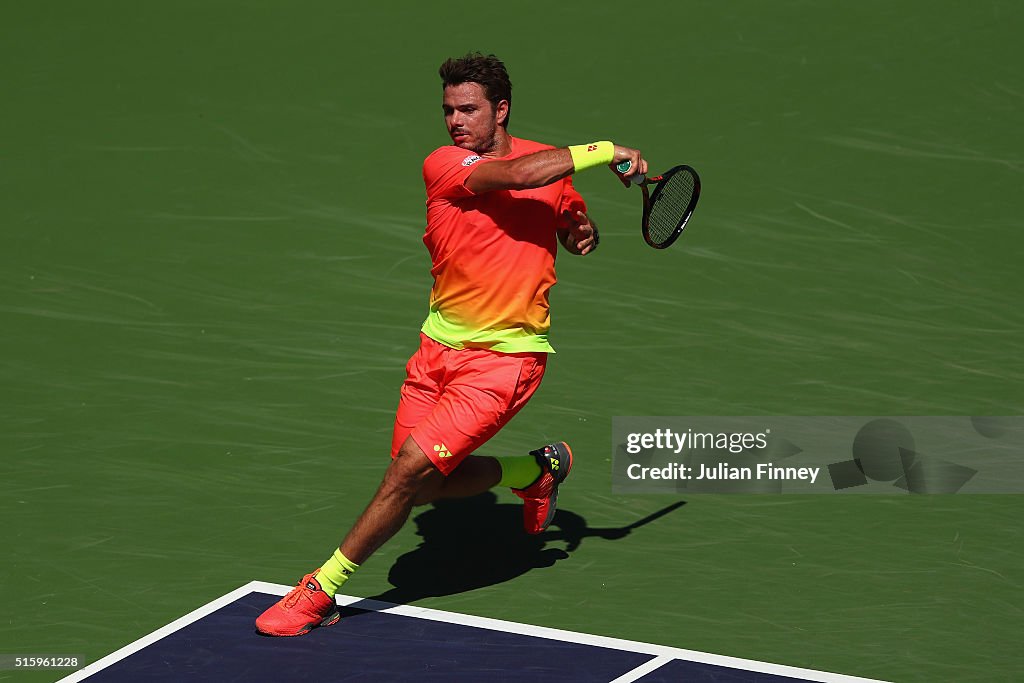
(211, 278)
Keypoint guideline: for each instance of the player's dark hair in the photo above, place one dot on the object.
(487, 70)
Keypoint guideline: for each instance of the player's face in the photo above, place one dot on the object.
(471, 119)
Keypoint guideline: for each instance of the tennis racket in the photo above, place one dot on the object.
(669, 205)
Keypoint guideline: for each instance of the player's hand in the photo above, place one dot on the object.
(582, 237)
(636, 160)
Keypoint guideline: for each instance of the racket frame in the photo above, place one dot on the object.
(651, 197)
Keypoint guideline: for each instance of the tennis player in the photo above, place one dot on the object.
(497, 206)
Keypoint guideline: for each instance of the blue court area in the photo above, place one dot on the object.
(377, 641)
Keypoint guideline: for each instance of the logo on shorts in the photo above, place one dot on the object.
(442, 450)
(471, 159)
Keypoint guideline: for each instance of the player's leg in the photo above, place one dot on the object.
(409, 473)
(476, 474)
(311, 603)
(479, 473)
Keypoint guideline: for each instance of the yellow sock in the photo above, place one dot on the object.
(519, 471)
(335, 572)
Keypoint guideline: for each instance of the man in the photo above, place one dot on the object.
(495, 206)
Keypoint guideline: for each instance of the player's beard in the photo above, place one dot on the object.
(488, 141)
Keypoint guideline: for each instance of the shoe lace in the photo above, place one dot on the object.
(299, 591)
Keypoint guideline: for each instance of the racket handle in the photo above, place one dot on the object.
(623, 168)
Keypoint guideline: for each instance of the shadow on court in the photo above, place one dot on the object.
(471, 543)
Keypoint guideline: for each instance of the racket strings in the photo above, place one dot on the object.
(670, 207)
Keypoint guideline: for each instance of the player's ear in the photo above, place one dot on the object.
(501, 112)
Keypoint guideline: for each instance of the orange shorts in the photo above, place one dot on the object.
(453, 401)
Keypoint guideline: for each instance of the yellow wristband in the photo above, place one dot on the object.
(595, 154)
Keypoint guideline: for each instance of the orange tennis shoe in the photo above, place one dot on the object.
(302, 610)
(540, 498)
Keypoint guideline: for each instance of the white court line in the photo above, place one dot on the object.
(643, 669)
(176, 625)
(661, 652)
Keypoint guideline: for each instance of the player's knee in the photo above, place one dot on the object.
(411, 472)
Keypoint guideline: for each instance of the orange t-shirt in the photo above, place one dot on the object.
(492, 254)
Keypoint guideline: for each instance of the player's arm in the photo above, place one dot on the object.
(580, 237)
(545, 167)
